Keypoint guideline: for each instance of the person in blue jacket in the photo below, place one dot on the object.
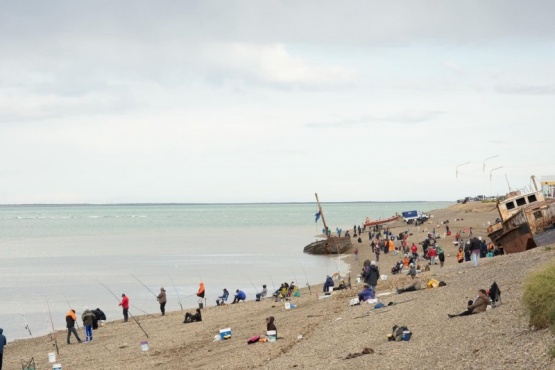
(239, 296)
(3, 342)
(328, 284)
(366, 294)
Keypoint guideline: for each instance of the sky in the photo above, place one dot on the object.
(271, 101)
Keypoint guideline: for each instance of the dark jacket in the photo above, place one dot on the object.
(372, 275)
(3, 340)
(100, 315)
(88, 318)
(271, 325)
(329, 282)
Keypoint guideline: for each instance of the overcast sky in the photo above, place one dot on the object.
(271, 101)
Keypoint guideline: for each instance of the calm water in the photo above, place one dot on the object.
(58, 255)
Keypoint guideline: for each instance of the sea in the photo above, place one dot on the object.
(53, 257)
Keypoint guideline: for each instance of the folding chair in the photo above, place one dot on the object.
(28, 365)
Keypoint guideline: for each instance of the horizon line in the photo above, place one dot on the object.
(207, 203)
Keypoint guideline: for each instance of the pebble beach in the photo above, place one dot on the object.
(325, 333)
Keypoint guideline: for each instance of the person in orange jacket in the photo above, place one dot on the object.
(70, 325)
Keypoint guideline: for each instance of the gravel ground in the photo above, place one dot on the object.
(331, 329)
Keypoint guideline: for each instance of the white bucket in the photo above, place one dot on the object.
(51, 357)
(57, 367)
(358, 280)
(144, 345)
(287, 305)
(271, 335)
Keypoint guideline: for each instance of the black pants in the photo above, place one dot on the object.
(163, 308)
(125, 314)
(409, 289)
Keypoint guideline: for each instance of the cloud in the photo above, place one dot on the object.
(273, 64)
(407, 117)
(526, 89)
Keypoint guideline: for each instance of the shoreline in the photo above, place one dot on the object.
(331, 329)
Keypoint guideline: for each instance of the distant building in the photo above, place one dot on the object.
(548, 186)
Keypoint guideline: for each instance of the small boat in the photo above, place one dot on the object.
(527, 220)
(329, 245)
(380, 221)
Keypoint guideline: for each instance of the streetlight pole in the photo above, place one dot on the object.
(490, 177)
(484, 166)
(457, 169)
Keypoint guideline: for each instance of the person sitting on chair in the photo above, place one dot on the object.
(262, 294)
(415, 283)
(223, 298)
(328, 284)
(239, 296)
(189, 317)
(479, 305)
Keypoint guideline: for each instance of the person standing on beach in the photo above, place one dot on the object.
(88, 319)
(475, 248)
(70, 325)
(125, 305)
(371, 276)
(355, 252)
(3, 342)
(162, 300)
(376, 247)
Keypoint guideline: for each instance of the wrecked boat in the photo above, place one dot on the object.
(330, 244)
(527, 221)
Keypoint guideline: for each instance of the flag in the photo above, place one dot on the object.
(316, 216)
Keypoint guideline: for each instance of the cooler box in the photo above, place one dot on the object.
(225, 333)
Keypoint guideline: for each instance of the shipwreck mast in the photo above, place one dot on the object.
(322, 215)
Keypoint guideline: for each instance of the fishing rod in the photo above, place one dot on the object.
(307, 283)
(177, 293)
(25, 320)
(52, 324)
(143, 284)
(306, 276)
(251, 284)
(117, 299)
(76, 324)
(146, 313)
(296, 280)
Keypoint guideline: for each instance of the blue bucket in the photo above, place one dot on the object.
(406, 335)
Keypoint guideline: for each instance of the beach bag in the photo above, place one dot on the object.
(397, 332)
(432, 283)
(442, 283)
(253, 339)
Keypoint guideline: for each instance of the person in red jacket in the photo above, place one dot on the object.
(432, 254)
(125, 305)
(414, 250)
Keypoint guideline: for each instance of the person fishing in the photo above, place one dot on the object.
(70, 325)
(88, 319)
(201, 293)
(162, 300)
(125, 306)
